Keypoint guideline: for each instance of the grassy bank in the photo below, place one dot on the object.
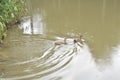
(10, 12)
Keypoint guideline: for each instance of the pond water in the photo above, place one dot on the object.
(29, 52)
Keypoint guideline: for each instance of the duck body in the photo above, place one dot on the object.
(60, 41)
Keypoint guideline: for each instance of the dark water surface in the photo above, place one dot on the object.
(30, 53)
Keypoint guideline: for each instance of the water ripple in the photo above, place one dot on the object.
(51, 60)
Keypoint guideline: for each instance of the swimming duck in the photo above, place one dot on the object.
(80, 40)
(60, 42)
(71, 41)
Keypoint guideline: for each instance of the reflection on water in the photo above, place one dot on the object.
(32, 54)
(38, 25)
(111, 72)
(82, 65)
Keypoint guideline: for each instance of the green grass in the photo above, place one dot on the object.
(10, 11)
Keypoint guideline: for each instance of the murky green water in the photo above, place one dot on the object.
(30, 53)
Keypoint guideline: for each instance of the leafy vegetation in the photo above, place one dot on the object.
(10, 11)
